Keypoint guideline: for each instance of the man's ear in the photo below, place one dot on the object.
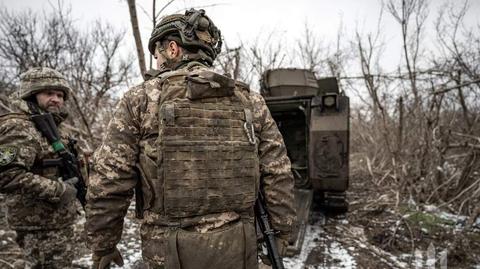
(174, 48)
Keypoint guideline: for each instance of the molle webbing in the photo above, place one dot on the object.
(209, 164)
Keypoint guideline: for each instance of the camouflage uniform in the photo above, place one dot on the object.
(11, 255)
(44, 227)
(129, 156)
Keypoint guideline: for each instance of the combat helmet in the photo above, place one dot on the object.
(194, 31)
(38, 79)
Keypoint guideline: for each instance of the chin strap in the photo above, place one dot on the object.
(33, 107)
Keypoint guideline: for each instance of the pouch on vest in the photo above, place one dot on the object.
(209, 84)
(208, 159)
(233, 247)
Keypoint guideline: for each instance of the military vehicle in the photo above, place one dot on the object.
(313, 117)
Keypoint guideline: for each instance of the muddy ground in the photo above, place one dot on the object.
(377, 232)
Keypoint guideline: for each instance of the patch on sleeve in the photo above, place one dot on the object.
(7, 154)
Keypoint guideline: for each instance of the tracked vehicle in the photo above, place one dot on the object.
(313, 117)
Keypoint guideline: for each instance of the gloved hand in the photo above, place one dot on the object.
(102, 259)
(69, 191)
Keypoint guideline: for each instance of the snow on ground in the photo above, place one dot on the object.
(340, 254)
(309, 243)
(340, 248)
(458, 219)
(334, 255)
(129, 246)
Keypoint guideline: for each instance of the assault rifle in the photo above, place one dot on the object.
(268, 233)
(68, 162)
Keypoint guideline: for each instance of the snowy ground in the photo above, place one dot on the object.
(336, 255)
(371, 235)
(320, 249)
(335, 243)
(314, 236)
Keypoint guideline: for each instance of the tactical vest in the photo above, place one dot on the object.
(207, 152)
(26, 211)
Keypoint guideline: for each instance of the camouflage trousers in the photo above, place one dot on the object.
(11, 255)
(49, 249)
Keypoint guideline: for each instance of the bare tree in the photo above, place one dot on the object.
(310, 50)
(136, 34)
(261, 55)
(91, 61)
(405, 12)
(459, 67)
(325, 59)
(228, 62)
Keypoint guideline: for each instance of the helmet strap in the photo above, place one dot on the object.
(33, 106)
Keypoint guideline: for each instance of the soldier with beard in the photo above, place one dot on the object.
(41, 207)
(200, 145)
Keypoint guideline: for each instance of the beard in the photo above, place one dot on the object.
(53, 109)
(59, 112)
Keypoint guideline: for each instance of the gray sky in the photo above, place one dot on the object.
(247, 20)
(235, 17)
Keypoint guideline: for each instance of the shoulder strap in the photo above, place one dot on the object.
(153, 73)
(167, 75)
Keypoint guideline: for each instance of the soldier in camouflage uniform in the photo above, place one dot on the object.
(199, 145)
(40, 207)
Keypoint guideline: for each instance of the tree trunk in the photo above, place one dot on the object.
(136, 34)
(154, 21)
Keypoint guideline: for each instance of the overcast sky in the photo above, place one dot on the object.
(247, 20)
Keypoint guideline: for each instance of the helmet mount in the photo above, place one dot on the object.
(194, 31)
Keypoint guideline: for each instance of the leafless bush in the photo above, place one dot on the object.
(229, 61)
(418, 126)
(90, 59)
(249, 61)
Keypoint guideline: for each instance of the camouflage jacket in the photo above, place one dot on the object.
(32, 191)
(128, 153)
